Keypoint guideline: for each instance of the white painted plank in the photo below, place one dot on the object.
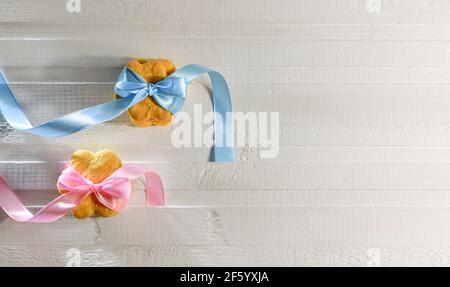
(243, 53)
(234, 11)
(177, 198)
(423, 135)
(260, 176)
(365, 135)
(296, 103)
(198, 256)
(56, 233)
(295, 198)
(230, 31)
(378, 76)
(352, 227)
(287, 154)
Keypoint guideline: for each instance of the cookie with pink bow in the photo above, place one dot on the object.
(92, 184)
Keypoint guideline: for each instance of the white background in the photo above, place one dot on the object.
(363, 91)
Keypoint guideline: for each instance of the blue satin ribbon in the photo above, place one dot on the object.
(170, 93)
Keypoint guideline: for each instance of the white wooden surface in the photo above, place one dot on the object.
(364, 101)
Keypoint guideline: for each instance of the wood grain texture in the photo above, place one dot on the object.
(362, 90)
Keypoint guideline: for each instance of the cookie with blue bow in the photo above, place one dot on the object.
(150, 90)
(148, 112)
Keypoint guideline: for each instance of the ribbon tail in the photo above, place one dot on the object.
(223, 121)
(154, 189)
(53, 211)
(10, 108)
(65, 125)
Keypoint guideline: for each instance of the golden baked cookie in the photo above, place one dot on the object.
(148, 112)
(95, 167)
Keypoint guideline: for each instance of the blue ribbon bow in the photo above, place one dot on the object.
(169, 93)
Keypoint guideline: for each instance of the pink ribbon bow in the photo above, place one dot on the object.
(114, 192)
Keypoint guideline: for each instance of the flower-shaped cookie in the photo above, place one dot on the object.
(95, 167)
(148, 112)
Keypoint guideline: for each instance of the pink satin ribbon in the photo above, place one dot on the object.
(114, 192)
